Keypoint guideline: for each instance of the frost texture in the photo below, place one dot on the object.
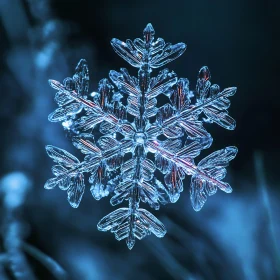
(135, 151)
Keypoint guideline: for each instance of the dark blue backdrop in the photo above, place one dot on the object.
(235, 236)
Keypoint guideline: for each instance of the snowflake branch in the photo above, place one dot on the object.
(108, 117)
(188, 166)
(192, 111)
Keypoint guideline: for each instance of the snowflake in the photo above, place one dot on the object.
(134, 150)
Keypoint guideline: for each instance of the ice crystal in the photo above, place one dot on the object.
(134, 150)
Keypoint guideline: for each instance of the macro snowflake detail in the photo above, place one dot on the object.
(134, 150)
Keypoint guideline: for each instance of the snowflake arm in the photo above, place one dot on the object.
(120, 130)
(206, 176)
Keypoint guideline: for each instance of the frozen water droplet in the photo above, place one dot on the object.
(94, 93)
(67, 124)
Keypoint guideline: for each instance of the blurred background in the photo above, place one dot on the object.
(234, 236)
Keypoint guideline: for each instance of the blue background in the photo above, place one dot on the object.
(235, 236)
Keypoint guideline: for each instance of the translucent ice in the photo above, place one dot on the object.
(138, 138)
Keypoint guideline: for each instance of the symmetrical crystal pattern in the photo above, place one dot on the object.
(136, 151)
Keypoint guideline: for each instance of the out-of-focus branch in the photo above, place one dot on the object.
(262, 185)
(57, 271)
(14, 188)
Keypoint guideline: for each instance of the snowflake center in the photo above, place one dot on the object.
(140, 137)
